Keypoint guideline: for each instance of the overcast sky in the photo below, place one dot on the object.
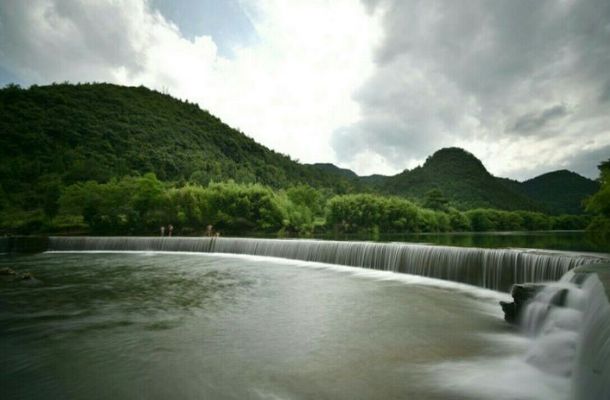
(371, 85)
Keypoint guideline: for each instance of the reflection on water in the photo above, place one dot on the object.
(200, 326)
(579, 241)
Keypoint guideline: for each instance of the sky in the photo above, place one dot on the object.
(372, 85)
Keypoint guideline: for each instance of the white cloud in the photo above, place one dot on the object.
(522, 85)
(378, 88)
(289, 90)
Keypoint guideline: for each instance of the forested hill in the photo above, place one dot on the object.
(463, 179)
(57, 135)
(334, 170)
(561, 191)
(68, 133)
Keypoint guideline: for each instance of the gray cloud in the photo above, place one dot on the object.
(587, 161)
(604, 96)
(532, 122)
(450, 73)
(54, 40)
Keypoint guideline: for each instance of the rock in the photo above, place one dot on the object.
(7, 272)
(510, 311)
(10, 275)
(28, 279)
(26, 276)
(522, 293)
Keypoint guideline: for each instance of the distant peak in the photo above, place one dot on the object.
(559, 175)
(452, 151)
(454, 157)
(562, 172)
(329, 167)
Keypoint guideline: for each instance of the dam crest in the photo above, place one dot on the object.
(496, 269)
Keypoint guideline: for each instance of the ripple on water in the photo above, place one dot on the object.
(192, 326)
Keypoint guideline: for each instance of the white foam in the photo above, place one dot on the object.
(507, 378)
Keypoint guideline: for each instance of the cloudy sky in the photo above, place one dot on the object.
(371, 85)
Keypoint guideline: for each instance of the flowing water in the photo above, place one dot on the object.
(180, 318)
(570, 323)
(159, 326)
(495, 269)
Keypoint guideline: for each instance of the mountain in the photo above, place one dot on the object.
(334, 170)
(57, 135)
(561, 191)
(462, 179)
(374, 181)
(60, 134)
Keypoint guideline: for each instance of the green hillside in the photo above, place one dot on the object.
(334, 170)
(60, 134)
(561, 191)
(462, 179)
(54, 136)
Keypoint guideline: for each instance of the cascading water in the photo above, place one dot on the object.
(495, 269)
(568, 322)
(570, 325)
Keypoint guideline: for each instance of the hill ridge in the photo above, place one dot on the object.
(65, 133)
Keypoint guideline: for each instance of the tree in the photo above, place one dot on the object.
(435, 200)
(599, 203)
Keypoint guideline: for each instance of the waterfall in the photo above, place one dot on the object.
(570, 325)
(494, 269)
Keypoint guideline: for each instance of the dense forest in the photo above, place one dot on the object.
(599, 204)
(102, 158)
(142, 204)
(467, 183)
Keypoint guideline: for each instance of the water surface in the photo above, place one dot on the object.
(577, 241)
(190, 326)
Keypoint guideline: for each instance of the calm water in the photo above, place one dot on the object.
(578, 241)
(180, 326)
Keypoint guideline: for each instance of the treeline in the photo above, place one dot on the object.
(59, 135)
(364, 212)
(142, 204)
(599, 204)
(62, 134)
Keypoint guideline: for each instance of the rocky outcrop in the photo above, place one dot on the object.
(10, 275)
(522, 293)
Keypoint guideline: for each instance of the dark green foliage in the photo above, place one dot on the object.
(599, 204)
(570, 222)
(462, 179)
(459, 221)
(244, 208)
(367, 213)
(333, 169)
(309, 197)
(76, 133)
(435, 200)
(562, 192)
(141, 205)
(108, 159)
(482, 220)
(128, 205)
(362, 212)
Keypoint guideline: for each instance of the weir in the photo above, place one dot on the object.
(569, 322)
(495, 269)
